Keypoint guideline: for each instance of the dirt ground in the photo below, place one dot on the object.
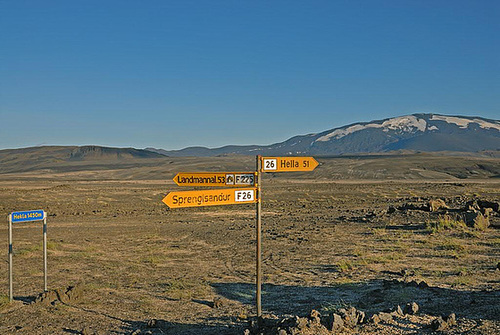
(123, 263)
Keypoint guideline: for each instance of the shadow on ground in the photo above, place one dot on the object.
(372, 297)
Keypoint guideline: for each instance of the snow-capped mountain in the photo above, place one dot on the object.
(421, 132)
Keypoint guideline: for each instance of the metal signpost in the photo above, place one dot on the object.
(236, 195)
(27, 216)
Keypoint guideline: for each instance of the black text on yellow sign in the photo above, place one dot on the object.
(288, 164)
(218, 197)
(238, 179)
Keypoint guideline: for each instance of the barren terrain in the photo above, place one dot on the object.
(355, 232)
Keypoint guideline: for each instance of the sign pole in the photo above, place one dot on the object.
(11, 296)
(45, 251)
(258, 227)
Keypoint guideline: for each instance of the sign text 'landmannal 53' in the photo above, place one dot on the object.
(215, 179)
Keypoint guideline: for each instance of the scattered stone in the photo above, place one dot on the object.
(487, 212)
(314, 316)
(407, 273)
(282, 332)
(71, 294)
(436, 205)
(451, 319)
(361, 316)
(375, 319)
(218, 303)
(411, 308)
(136, 332)
(411, 206)
(386, 317)
(438, 324)
(399, 311)
(155, 323)
(46, 298)
(336, 323)
(349, 316)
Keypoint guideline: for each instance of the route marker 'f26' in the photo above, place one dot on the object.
(218, 197)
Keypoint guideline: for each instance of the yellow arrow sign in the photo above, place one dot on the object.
(215, 179)
(210, 197)
(288, 164)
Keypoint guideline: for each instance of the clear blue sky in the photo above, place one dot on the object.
(171, 74)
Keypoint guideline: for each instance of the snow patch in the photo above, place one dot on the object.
(403, 123)
(464, 123)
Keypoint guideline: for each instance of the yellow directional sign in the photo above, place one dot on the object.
(288, 164)
(215, 179)
(210, 197)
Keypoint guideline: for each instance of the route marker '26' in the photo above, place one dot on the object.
(288, 164)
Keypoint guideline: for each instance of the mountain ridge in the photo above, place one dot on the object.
(426, 132)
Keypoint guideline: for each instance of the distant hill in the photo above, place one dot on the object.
(417, 132)
(69, 157)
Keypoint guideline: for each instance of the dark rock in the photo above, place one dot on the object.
(391, 210)
(471, 205)
(476, 220)
(411, 308)
(439, 324)
(411, 206)
(413, 283)
(423, 284)
(489, 204)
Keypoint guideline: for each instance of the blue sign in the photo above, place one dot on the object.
(27, 216)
